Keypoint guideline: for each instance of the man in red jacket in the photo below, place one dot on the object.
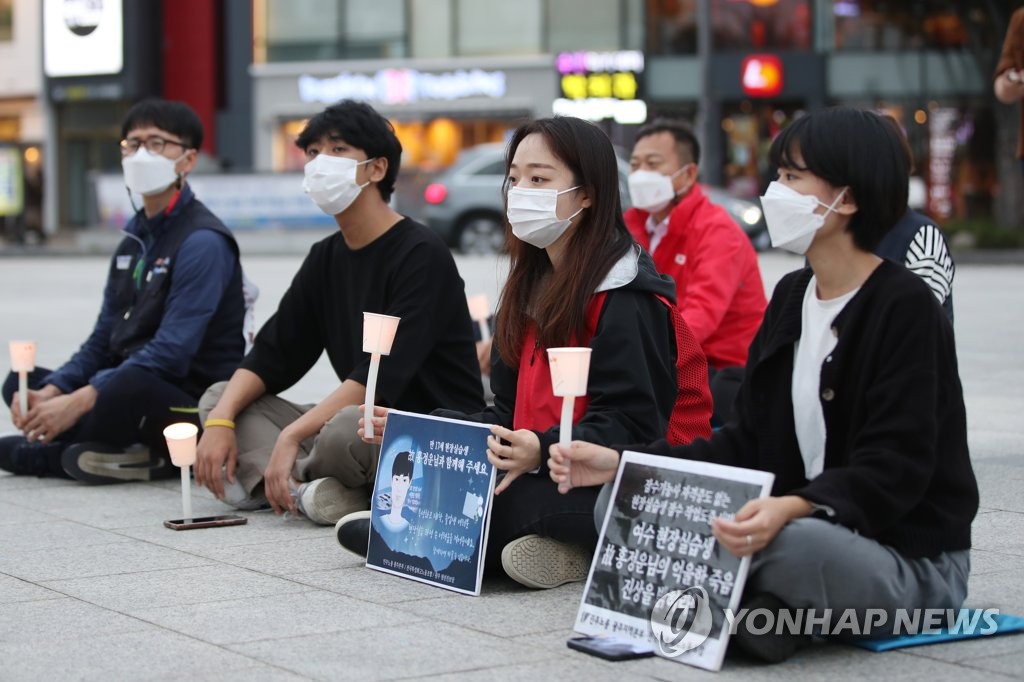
(718, 283)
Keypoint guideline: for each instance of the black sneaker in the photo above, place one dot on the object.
(97, 463)
(774, 646)
(353, 532)
(19, 456)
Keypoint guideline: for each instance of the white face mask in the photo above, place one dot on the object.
(147, 173)
(331, 182)
(790, 217)
(533, 215)
(650, 190)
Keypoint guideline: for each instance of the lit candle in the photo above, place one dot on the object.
(378, 335)
(570, 368)
(23, 361)
(181, 444)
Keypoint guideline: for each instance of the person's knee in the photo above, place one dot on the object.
(799, 543)
(340, 430)
(127, 383)
(340, 452)
(210, 398)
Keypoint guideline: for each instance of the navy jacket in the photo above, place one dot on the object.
(172, 304)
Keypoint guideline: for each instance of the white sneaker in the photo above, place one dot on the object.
(543, 563)
(326, 500)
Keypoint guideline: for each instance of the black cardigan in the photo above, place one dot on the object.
(897, 468)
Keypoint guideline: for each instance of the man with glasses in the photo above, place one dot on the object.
(170, 324)
(718, 281)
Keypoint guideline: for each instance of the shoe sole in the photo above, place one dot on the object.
(92, 466)
(331, 501)
(543, 563)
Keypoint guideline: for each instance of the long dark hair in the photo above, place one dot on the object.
(598, 241)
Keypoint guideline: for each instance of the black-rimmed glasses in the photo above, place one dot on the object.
(154, 144)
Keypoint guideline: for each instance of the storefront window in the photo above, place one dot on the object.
(761, 24)
(486, 28)
(880, 25)
(584, 25)
(672, 26)
(748, 129)
(431, 28)
(329, 29)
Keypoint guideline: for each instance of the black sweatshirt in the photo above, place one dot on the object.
(897, 468)
(407, 272)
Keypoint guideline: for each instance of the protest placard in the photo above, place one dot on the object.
(659, 577)
(431, 503)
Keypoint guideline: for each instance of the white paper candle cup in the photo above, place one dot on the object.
(23, 356)
(569, 370)
(479, 308)
(379, 332)
(181, 443)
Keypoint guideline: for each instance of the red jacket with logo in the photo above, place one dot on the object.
(719, 290)
(642, 385)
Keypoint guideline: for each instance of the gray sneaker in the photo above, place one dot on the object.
(543, 563)
(326, 500)
(97, 463)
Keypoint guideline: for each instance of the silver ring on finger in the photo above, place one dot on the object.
(750, 540)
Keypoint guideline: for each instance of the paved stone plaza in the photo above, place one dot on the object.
(92, 586)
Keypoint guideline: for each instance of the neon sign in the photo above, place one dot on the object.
(761, 75)
(403, 86)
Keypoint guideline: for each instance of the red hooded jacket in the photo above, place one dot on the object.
(719, 291)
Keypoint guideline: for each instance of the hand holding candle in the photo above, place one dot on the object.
(570, 368)
(181, 444)
(378, 335)
(23, 361)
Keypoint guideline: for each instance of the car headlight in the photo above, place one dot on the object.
(752, 215)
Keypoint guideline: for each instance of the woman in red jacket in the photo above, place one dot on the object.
(576, 279)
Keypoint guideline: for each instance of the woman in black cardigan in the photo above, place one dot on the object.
(851, 397)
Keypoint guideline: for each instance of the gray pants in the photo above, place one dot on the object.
(815, 564)
(336, 452)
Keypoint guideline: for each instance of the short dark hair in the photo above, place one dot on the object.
(358, 124)
(858, 149)
(174, 117)
(402, 466)
(686, 141)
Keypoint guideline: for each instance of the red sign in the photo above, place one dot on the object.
(761, 75)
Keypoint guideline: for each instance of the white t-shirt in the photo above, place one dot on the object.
(811, 350)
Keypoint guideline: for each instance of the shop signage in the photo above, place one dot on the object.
(599, 85)
(761, 75)
(82, 37)
(403, 86)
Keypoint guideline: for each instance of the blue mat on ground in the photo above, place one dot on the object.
(971, 624)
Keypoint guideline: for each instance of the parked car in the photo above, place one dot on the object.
(464, 202)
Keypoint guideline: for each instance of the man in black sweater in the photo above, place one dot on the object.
(309, 458)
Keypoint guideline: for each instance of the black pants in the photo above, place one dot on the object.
(532, 504)
(133, 407)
